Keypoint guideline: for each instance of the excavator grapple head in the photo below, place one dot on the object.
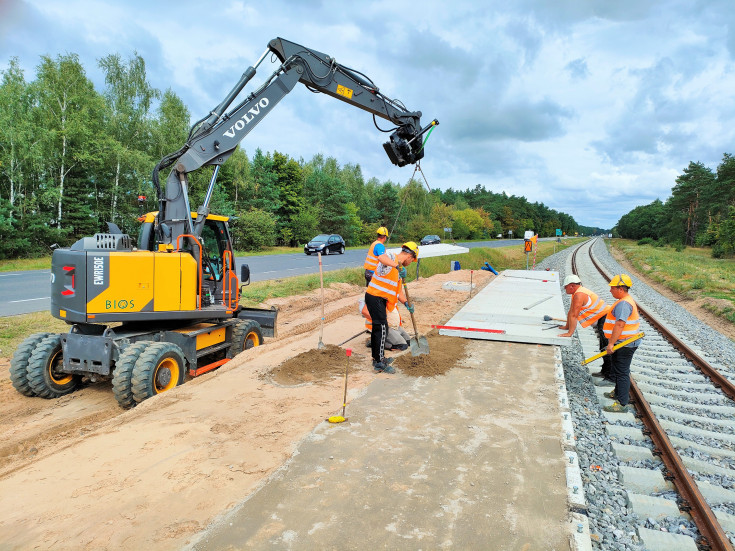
(404, 148)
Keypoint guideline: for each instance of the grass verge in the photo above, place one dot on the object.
(691, 273)
(21, 264)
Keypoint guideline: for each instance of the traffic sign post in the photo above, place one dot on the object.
(527, 246)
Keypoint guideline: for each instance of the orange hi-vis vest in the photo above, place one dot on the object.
(387, 286)
(632, 324)
(371, 261)
(592, 310)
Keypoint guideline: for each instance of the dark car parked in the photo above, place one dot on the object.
(326, 243)
(430, 240)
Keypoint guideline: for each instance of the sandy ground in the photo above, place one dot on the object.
(81, 473)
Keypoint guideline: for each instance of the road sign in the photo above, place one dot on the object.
(528, 245)
(558, 232)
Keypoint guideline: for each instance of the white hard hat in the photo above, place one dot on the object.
(571, 279)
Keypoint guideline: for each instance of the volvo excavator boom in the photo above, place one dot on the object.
(214, 138)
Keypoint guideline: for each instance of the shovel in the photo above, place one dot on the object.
(321, 284)
(619, 345)
(348, 340)
(419, 345)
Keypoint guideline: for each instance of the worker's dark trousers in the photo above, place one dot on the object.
(376, 307)
(606, 368)
(621, 359)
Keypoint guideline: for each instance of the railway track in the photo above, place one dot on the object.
(678, 461)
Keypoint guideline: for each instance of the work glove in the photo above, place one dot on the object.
(409, 307)
(402, 273)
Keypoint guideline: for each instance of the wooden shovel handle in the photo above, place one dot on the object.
(408, 300)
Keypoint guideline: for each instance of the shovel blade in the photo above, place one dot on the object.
(419, 345)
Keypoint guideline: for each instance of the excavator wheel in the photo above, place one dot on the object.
(19, 363)
(122, 384)
(44, 376)
(159, 368)
(245, 335)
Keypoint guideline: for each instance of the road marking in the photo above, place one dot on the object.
(23, 274)
(29, 299)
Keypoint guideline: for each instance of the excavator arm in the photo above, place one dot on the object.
(214, 138)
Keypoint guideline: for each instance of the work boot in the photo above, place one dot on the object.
(598, 374)
(398, 347)
(382, 367)
(616, 408)
(610, 394)
(604, 382)
(388, 361)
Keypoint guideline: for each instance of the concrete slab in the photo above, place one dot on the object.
(512, 308)
(657, 508)
(663, 541)
(460, 461)
(440, 249)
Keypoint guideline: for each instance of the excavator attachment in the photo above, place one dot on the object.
(405, 147)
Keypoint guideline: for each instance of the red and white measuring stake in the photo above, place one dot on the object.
(457, 328)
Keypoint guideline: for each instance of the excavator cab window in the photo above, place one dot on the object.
(216, 242)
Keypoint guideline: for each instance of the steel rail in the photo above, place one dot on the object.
(713, 537)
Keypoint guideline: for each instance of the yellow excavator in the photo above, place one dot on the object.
(148, 314)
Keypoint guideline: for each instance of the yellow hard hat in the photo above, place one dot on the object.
(621, 280)
(382, 230)
(411, 247)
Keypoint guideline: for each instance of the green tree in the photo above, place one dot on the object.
(289, 180)
(253, 230)
(305, 224)
(170, 127)
(71, 114)
(16, 135)
(128, 97)
(685, 203)
(263, 188)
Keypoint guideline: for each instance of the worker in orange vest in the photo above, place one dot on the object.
(386, 290)
(621, 322)
(587, 308)
(376, 253)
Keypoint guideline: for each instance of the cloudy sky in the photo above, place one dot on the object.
(591, 107)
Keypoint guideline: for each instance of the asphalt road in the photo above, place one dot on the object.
(29, 291)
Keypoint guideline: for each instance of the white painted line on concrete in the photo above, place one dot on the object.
(30, 299)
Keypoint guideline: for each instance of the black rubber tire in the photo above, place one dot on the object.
(43, 378)
(342, 250)
(245, 335)
(19, 363)
(122, 377)
(326, 251)
(154, 364)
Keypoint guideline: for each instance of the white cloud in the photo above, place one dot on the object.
(590, 107)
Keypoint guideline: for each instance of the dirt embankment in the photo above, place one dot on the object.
(81, 473)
